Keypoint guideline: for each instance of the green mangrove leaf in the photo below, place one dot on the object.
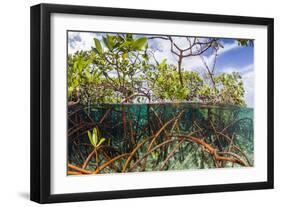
(90, 138)
(102, 140)
(139, 43)
(125, 55)
(95, 50)
(70, 90)
(98, 45)
(108, 42)
(95, 137)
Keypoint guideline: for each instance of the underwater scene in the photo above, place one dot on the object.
(151, 137)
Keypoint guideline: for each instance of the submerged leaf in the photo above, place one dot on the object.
(95, 137)
(102, 140)
(90, 138)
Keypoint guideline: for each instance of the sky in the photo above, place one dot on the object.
(231, 57)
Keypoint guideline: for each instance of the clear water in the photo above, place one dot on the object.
(126, 125)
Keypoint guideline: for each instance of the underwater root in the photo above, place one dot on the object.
(181, 138)
(217, 147)
(212, 151)
(98, 170)
(78, 169)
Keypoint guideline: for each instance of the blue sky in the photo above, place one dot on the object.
(240, 59)
(230, 58)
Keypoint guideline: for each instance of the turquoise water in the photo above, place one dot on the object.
(126, 125)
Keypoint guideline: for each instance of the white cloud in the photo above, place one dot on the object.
(163, 51)
(249, 84)
(229, 69)
(80, 41)
(241, 70)
(195, 62)
(228, 47)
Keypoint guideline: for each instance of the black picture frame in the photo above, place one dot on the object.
(41, 95)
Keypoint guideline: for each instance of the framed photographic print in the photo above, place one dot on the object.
(132, 103)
